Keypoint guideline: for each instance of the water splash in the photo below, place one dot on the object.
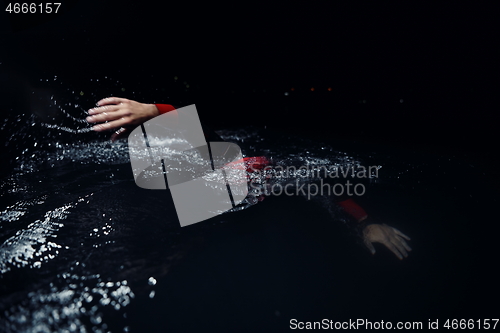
(33, 245)
(72, 303)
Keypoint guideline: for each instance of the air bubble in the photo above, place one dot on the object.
(152, 281)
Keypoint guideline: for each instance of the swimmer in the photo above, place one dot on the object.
(123, 115)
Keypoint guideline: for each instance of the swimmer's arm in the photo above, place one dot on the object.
(122, 115)
(389, 236)
(115, 113)
(373, 232)
(164, 108)
(353, 209)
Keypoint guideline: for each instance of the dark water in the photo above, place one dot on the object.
(85, 250)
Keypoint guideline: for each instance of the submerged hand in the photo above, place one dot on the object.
(391, 237)
(115, 112)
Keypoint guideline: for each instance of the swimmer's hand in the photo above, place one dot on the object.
(120, 114)
(391, 237)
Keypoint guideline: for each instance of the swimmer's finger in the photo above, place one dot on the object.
(407, 247)
(393, 248)
(370, 247)
(111, 100)
(396, 231)
(105, 116)
(112, 124)
(105, 108)
(400, 247)
(399, 233)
